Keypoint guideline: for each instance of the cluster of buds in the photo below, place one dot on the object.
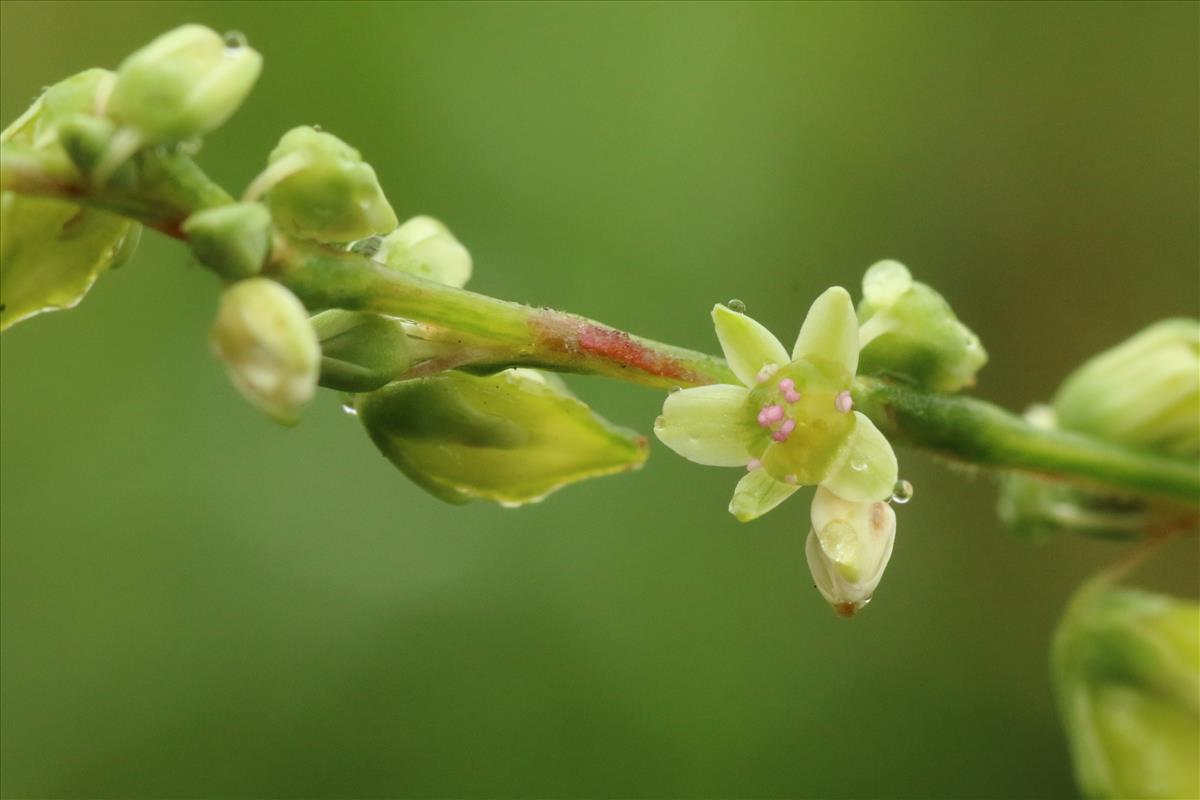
(1143, 393)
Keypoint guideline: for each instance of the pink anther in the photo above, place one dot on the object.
(753, 464)
(844, 402)
(791, 479)
(787, 427)
(792, 396)
(787, 385)
(773, 413)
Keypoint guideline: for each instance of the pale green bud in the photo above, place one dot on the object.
(79, 94)
(909, 331)
(318, 187)
(848, 548)
(88, 142)
(1126, 669)
(425, 247)
(513, 437)
(1145, 392)
(183, 84)
(232, 240)
(263, 335)
(360, 351)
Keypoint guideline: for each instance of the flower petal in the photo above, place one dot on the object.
(830, 330)
(709, 425)
(757, 493)
(747, 345)
(868, 470)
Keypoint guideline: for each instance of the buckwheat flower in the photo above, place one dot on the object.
(791, 422)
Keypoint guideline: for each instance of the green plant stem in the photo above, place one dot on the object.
(483, 333)
(976, 432)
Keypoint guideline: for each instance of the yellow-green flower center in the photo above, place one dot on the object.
(803, 419)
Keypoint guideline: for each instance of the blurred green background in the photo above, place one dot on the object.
(199, 603)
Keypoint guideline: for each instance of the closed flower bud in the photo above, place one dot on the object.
(88, 142)
(1145, 392)
(1126, 669)
(848, 548)
(425, 247)
(512, 437)
(910, 331)
(78, 94)
(360, 351)
(232, 240)
(183, 84)
(269, 348)
(318, 187)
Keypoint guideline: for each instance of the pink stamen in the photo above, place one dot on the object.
(787, 427)
(791, 479)
(844, 402)
(779, 436)
(762, 419)
(753, 464)
(787, 385)
(792, 396)
(773, 413)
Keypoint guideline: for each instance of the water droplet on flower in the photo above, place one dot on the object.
(348, 405)
(674, 389)
(737, 305)
(858, 466)
(235, 39)
(902, 492)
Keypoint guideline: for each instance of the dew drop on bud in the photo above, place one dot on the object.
(736, 305)
(235, 39)
(348, 405)
(902, 492)
(674, 389)
(858, 466)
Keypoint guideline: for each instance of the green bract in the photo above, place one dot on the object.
(1145, 392)
(183, 84)
(1126, 668)
(791, 422)
(848, 548)
(263, 335)
(52, 252)
(318, 187)
(232, 240)
(360, 351)
(910, 331)
(513, 437)
(425, 247)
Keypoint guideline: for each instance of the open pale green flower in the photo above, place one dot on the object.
(791, 422)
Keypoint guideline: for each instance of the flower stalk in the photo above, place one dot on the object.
(494, 334)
